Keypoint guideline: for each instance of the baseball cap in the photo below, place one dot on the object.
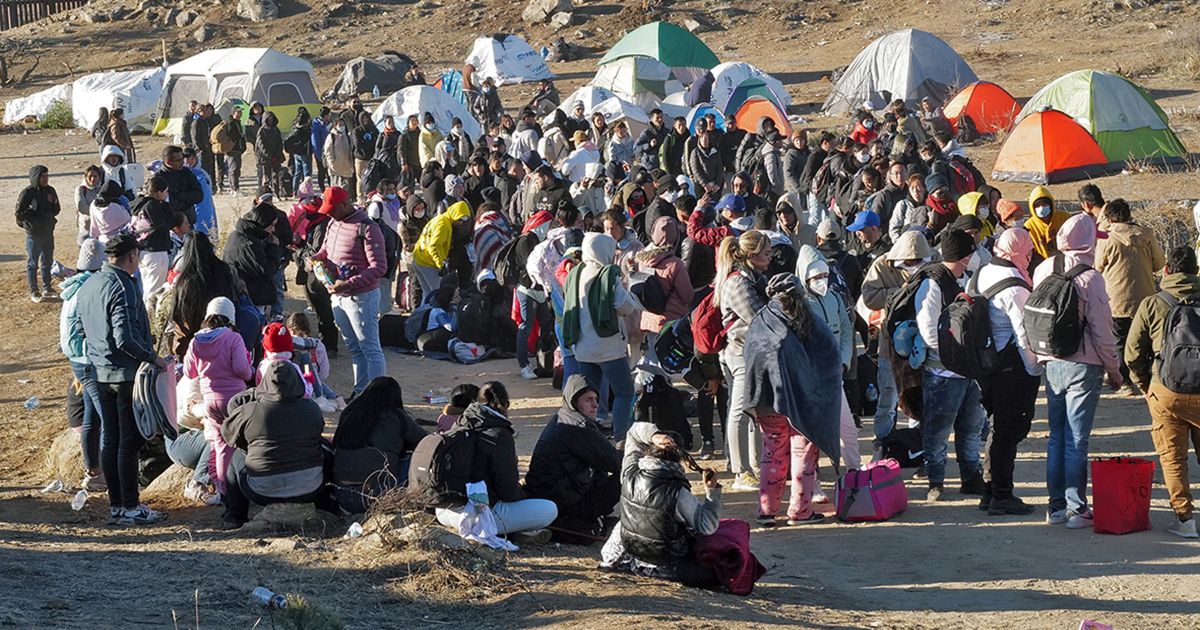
(733, 203)
(333, 197)
(829, 231)
(865, 219)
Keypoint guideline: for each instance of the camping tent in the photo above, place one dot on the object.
(361, 75)
(702, 110)
(506, 59)
(135, 91)
(615, 109)
(589, 95)
(1047, 148)
(748, 115)
(1121, 116)
(282, 83)
(990, 107)
(644, 81)
(728, 77)
(418, 99)
(451, 82)
(672, 45)
(36, 104)
(910, 64)
(675, 105)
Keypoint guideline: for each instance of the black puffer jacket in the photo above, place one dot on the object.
(38, 206)
(571, 452)
(252, 256)
(277, 427)
(495, 452)
(268, 144)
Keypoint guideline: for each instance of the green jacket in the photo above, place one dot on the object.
(1146, 332)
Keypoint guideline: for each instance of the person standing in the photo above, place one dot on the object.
(338, 155)
(202, 136)
(299, 145)
(152, 222)
(118, 131)
(1045, 223)
(116, 333)
(363, 138)
(233, 150)
(268, 150)
(1175, 416)
(91, 259)
(354, 246)
(183, 189)
(1073, 382)
(320, 131)
(37, 212)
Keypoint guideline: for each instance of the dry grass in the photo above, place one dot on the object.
(1172, 223)
(1143, 166)
(1181, 57)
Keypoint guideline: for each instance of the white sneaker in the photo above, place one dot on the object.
(745, 482)
(1183, 529)
(1057, 517)
(141, 515)
(327, 406)
(1079, 520)
(819, 496)
(527, 373)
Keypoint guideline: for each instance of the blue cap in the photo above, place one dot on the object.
(732, 202)
(865, 219)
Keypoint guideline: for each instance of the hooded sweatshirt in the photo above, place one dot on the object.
(1144, 343)
(70, 334)
(218, 357)
(598, 253)
(571, 452)
(1128, 259)
(38, 205)
(433, 246)
(1006, 309)
(116, 173)
(660, 259)
(829, 307)
(1044, 231)
(495, 460)
(1077, 242)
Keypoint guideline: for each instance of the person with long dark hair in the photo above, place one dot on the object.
(201, 277)
(374, 439)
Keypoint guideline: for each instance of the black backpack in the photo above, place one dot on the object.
(675, 346)
(1052, 317)
(649, 290)
(1179, 358)
(965, 342)
(662, 405)
(967, 131)
(440, 468)
(506, 267)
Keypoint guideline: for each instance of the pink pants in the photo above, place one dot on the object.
(221, 453)
(785, 450)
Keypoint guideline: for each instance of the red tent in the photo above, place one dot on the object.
(1047, 148)
(989, 106)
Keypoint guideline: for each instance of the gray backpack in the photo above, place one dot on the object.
(1179, 358)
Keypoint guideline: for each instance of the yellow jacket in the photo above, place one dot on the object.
(433, 246)
(429, 142)
(1044, 231)
(968, 205)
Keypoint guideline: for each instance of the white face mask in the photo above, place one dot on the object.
(819, 286)
(1043, 211)
(983, 212)
(863, 158)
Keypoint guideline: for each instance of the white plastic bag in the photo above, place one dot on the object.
(478, 522)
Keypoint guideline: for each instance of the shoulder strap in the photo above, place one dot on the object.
(1002, 285)
(1059, 262)
(1171, 300)
(1077, 270)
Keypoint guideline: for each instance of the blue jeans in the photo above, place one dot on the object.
(191, 450)
(952, 403)
(89, 437)
(120, 444)
(357, 318)
(885, 409)
(1072, 391)
(39, 254)
(301, 168)
(620, 379)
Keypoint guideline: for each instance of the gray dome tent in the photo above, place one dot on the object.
(910, 64)
(362, 75)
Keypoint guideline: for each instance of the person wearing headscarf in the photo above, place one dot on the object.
(1008, 395)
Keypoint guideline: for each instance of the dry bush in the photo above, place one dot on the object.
(1172, 223)
(1182, 54)
(1142, 166)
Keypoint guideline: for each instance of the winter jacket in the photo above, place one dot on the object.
(184, 191)
(118, 131)
(219, 358)
(495, 460)
(772, 165)
(116, 173)
(554, 147)
(571, 452)
(409, 151)
(363, 137)
(411, 226)
(589, 198)
(710, 236)
(430, 139)
(576, 163)
(268, 145)
(1128, 259)
(358, 249)
(883, 280)
(829, 307)
(598, 252)
(277, 427)
(37, 206)
(794, 161)
(254, 259)
(621, 151)
(392, 439)
(108, 220)
(1044, 231)
(70, 333)
(1076, 241)
(660, 260)
(812, 164)
(938, 289)
(670, 154)
(907, 213)
(116, 329)
(317, 137)
(706, 169)
(884, 201)
(550, 197)
(152, 219)
(387, 147)
(338, 153)
(206, 209)
(1144, 343)
(648, 144)
(433, 246)
(299, 140)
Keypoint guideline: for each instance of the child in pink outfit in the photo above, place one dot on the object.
(218, 357)
(278, 346)
(461, 398)
(786, 453)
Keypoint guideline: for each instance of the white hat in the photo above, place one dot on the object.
(91, 256)
(221, 306)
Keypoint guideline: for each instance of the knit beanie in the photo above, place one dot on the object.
(957, 245)
(277, 338)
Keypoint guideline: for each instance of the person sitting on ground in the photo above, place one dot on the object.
(279, 457)
(278, 347)
(660, 517)
(310, 350)
(495, 463)
(463, 395)
(575, 466)
(375, 438)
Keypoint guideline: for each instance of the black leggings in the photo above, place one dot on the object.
(704, 412)
(322, 305)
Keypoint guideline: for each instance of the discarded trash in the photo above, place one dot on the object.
(264, 597)
(24, 381)
(434, 400)
(32, 403)
(80, 500)
(1089, 624)
(356, 530)
(53, 486)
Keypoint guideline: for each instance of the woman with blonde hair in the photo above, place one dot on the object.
(739, 293)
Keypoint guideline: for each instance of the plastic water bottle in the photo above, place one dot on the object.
(80, 500)
(356, 530)
(375, 91)
(32, 403)
(872, 392)
(266, 598)
(54, 486)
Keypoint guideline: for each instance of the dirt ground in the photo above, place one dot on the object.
(935, 566)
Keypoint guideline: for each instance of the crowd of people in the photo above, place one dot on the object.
(799, 282)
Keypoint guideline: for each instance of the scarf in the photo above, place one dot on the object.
(601, 297)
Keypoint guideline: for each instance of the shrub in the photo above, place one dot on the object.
(58, 116)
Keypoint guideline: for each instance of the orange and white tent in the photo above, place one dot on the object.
(754, 109)
(990, 107)
(1048, 148)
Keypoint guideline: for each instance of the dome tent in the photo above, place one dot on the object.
(643, 81)
(506, 59)
(589, 95)
(1121, 116)
(1048, 148)
(747, 116)
(362, 75)
(418, 99)
(728, 77)
(910, 64)
(990, 107)
(673, 45)
(616, 109)
(702, 110)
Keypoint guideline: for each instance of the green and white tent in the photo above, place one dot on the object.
(673, 45)
(1120, 115)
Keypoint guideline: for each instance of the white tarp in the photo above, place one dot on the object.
(616, 108)
(728, 76)
(418, 99)
(35, 104)
(643, 81)
(589, 95)
(135, 91)
(506, 59)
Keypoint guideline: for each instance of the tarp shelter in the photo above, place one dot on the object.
(702, 110)
(643, 81)
(1121, 116)
(990, 107)
(451, 82)
(1047, 148)
(282, 83)
(362, 75)
(729, 77)
(506, 59)
(673, 45)
(616, 109)
(910, 64)
(751, 111)
(36, 104)
(135, 91)
(418, 99)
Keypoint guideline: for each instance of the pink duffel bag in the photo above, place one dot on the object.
(874, 493)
